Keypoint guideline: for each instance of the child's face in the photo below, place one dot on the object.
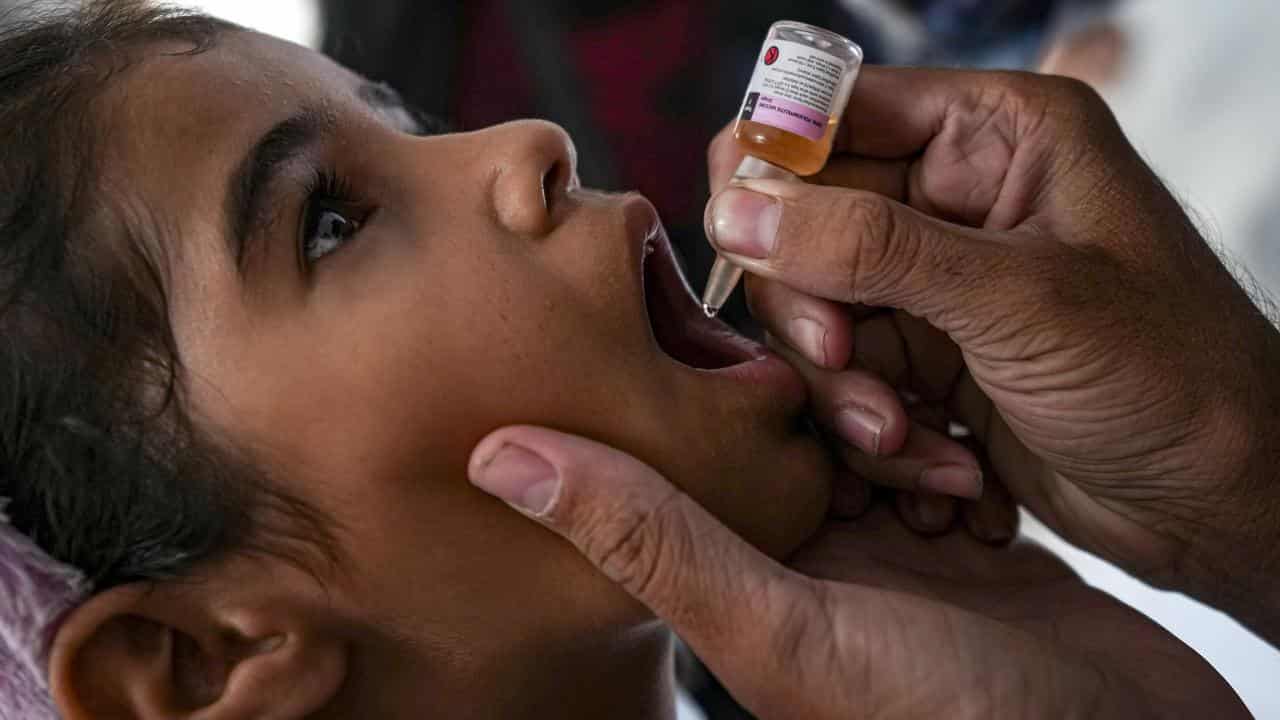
(362, 379)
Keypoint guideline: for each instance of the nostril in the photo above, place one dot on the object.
(552, 181)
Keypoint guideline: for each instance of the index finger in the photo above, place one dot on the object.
(894, 112)
(723, 156)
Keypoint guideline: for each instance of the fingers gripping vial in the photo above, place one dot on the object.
(789, 117)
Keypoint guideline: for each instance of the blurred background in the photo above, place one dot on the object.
(643, 86)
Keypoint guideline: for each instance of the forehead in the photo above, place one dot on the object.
(177, 124)
(244, 81)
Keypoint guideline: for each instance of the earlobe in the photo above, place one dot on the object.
(152, 652)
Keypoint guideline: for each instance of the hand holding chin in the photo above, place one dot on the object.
(870, 619)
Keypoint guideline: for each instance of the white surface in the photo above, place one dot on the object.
(294, 20)
(1200, 100)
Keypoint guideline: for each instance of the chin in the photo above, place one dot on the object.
(774, 494)
(791, 504)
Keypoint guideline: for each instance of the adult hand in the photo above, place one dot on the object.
(1058, 302)
(903, 627)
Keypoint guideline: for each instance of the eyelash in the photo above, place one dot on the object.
(328, 192)
(332, 192)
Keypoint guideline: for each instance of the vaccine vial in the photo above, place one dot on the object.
(797, 94)
(789, 116)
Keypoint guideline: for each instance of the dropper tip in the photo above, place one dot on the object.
(709, 311)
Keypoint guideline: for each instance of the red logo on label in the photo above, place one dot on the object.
(771, 55)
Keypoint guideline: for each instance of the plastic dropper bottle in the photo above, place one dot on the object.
(789, 117)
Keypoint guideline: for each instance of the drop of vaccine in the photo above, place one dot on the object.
(709, 311)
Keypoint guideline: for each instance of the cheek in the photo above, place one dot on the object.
(374, 414)
(425, 372)
(437, 347)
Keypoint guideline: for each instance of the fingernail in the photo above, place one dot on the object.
(993, 523)
(811, 337)
(520, 478)
(955, 480)
(860, 426)
(744, 222)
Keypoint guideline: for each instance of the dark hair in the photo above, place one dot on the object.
(103, 465)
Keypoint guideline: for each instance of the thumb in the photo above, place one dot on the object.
(854, 246)
(751, 620)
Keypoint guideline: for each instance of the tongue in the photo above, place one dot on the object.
(682, 344)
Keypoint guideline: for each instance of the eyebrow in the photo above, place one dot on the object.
(258, 171)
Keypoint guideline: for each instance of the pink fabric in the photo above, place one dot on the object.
(36, 591)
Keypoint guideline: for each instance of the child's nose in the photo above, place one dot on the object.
(537, 165)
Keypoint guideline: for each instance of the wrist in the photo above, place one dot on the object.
(1234, 562)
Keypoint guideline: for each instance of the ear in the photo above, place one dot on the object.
(183, 651)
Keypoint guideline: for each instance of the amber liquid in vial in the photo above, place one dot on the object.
(800, 155)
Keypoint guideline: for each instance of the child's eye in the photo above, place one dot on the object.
(330, 219)
(326, 229)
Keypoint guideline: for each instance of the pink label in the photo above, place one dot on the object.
(790, 116)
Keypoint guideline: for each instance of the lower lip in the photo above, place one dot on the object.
(771, 371)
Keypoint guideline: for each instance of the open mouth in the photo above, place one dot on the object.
(679, 325)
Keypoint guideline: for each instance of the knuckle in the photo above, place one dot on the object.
(1015, 104)
(1014, 90)
(804, 626)
(832, 236)
(883, 251)
(1076, 104)
(1074, 92)
(1029, 91)
(637, 548)
(1018, 85)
